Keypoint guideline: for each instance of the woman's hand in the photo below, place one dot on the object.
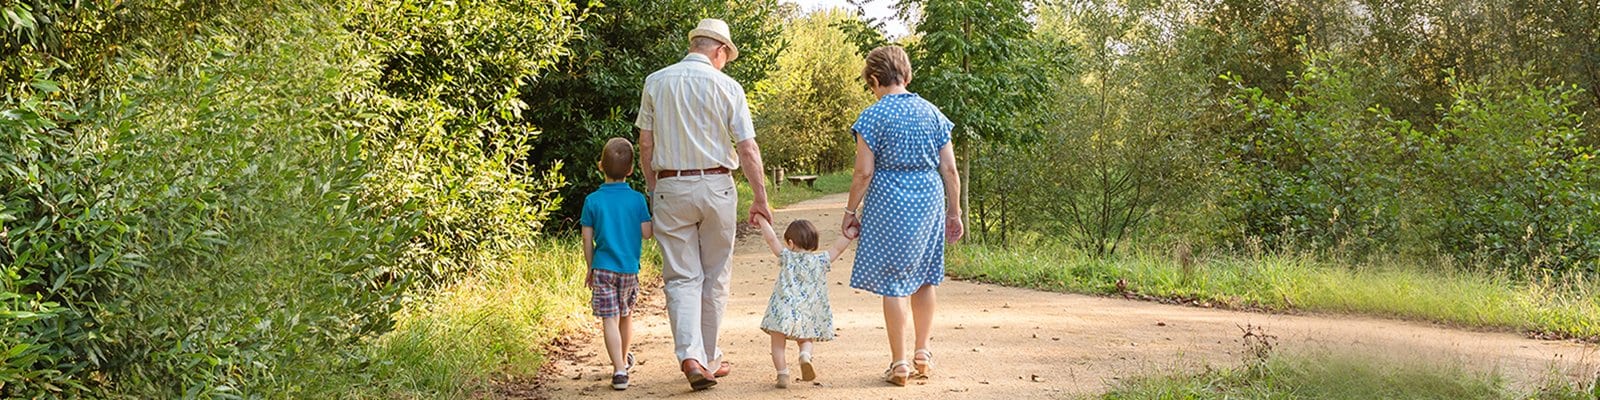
(850, 227)
(953, 229)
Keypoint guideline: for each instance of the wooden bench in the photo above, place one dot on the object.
(810, 180)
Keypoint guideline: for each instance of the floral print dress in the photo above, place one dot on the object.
(799, 304)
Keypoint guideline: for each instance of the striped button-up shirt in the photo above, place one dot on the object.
(697, 114)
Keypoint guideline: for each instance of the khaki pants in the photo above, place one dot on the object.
(694, 223)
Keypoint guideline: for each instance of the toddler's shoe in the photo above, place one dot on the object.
(619, 381)
(807, 372)
(783, 380)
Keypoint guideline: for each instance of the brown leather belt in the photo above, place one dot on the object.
(691, 172)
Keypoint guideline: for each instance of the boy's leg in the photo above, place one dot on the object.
(614, 346)
(607, 305)
(625, 333)
(630, 298)
(778, 360)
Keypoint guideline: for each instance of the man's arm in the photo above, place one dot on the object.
(647, 152)
(755, 174)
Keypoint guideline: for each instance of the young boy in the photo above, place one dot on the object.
(615, 220)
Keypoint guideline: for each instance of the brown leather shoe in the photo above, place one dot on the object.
(698, 378)
(723, 370)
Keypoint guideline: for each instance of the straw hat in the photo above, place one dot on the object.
(715, 29)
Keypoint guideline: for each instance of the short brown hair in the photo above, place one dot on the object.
(617, 158)
(803, 234)
(889, 65)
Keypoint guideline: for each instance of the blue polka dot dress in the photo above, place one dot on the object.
(902, 216)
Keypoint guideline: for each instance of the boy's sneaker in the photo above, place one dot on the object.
(619, 381)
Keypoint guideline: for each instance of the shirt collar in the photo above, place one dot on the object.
(697, 57)
(615, 185)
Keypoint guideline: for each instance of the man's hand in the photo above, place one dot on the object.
(760, 211)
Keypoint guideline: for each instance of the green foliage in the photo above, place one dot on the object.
(451, 139)
(237, 202)
(969, 63)
(806, 106)
(1514, 178)
(1120, 146)
(1505, 177)
(1318, 166)
(56, 252)
(593, 93)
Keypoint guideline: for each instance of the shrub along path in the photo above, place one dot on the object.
(1000, 342)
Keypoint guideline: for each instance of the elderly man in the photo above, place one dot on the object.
(690, 117)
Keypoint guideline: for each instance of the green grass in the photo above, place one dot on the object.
(1396, 289)
(826, 184)
(1336, 377)
(491, 326)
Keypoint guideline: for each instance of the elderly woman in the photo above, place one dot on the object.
(906, 173)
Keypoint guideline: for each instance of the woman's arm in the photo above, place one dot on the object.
(858, 185)
(953, 229)
(772, 238)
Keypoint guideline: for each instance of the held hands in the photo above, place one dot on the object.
(850, 226)
(760, 211)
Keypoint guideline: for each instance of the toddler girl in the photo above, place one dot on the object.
(798, 309)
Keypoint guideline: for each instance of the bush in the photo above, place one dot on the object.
(1514, 177)
(235, 206)
(1318, 167)
(1507, 177)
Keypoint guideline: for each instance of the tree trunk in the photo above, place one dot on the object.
(982, 230)
(966, 180)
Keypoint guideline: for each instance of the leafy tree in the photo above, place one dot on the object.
(969, 62)
(1119, 148)
(806, 106)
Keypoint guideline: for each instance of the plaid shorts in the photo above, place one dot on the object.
(613, 294)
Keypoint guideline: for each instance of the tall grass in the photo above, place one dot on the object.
(1334, 377)
(1396, 288)
(493, 325)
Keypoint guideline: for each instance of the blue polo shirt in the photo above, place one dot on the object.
(615, 212)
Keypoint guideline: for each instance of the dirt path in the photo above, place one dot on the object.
(998, 342)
